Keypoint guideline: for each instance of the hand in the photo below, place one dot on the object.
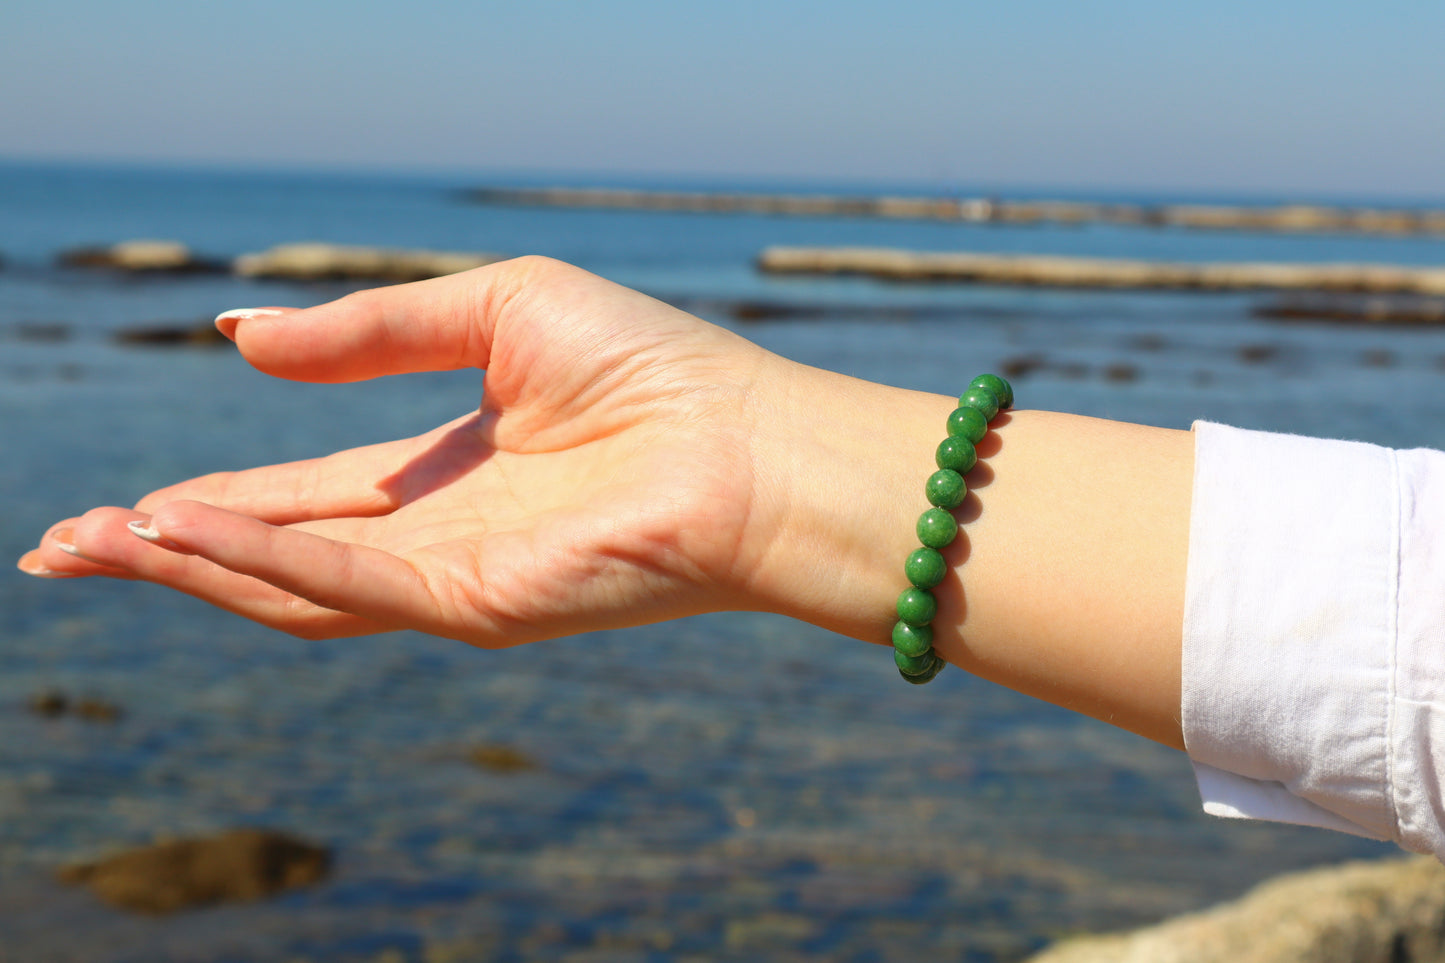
(606, 480)
(631, 463)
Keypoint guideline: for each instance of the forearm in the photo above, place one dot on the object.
(1067, 581)
(634, 464)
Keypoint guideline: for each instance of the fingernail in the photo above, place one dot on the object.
(147, 531)
(33, 567)
(64, 539)
(227, 321)
(246, 314)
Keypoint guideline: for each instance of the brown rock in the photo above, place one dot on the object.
(140, 256)
(98, 710)
(50, 703)
(241, 865)
(499, 758)
(1021, 366)
(1382, 310)
(1257, 353)
(1365, 912)
(53, 703)
(200, 334)
(1121, 373)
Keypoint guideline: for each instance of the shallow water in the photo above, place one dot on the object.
(734, 786)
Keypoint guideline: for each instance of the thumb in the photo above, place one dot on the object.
(436, 325)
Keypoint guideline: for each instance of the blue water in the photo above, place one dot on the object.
(734, 786)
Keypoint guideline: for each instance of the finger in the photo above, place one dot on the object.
(110, 548)
(350, 483)
(31, 563)
(281, 494)
(435, 325)
(59, 556)
(372, 584)
(357, 483)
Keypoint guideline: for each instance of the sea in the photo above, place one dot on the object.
(734, 786)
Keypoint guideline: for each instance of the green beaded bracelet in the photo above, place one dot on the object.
(913, 653)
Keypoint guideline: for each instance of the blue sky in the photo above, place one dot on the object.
(1282, 97)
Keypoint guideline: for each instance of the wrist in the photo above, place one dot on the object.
(1066, 583)
(839, 465)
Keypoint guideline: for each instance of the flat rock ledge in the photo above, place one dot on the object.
(1078, 272)
(240, 865)
(1288, 218)
(1366, 912)
(143, 256)
(338, 262)
(1394, 310)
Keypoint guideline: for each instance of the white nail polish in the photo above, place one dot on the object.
(142, 529)
(246, 314)
(68, 548)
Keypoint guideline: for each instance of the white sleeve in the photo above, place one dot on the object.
(1314, 634)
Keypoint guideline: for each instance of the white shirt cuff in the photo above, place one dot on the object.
(1290, 611)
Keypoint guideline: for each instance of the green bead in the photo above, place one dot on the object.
(968, 423)
(927, 675)
(982, 399)
(914, 664)
(925, 568)
(912, 640)
(945, 488)
(1001, 389)
(956, 454)
(917, 606)
(936, 528)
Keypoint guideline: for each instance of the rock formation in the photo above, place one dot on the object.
(1287, 218)
(161, 257)
(1081, 272)
(337, 262)
(199, 334)
(1366, 912)
(239, 865)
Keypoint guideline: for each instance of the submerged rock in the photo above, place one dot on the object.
(1357, 310)
(241, 865)
(1367, 912)
(97, 710)
(337, 262)
(54, 703)
(50, 703)
(1121, 372)
(170, 257)
(200, 334)
(499, 758)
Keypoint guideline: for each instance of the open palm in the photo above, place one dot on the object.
(605, 480)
